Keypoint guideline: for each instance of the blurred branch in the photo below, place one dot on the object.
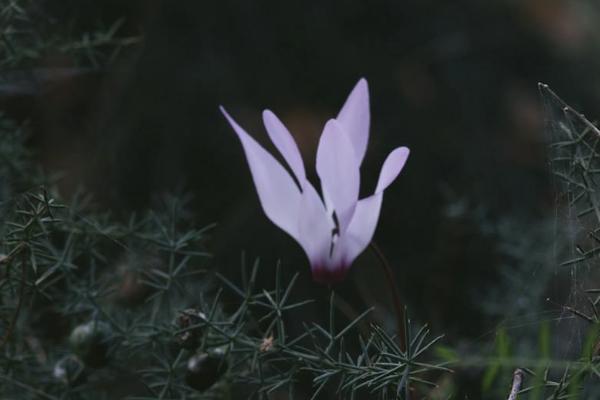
(516, 384)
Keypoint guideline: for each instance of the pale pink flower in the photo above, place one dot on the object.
(335, 229)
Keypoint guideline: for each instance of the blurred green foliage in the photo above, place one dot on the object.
(121, 98)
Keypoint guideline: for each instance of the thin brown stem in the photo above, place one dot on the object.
(391, 278)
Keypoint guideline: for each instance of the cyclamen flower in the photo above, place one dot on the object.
(335, 229)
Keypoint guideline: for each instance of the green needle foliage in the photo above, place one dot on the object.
(27, 34)
(98, 307)
(95, 308)
(92, 307)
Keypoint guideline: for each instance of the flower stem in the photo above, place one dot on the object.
(391, 278)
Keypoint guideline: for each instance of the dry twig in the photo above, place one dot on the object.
(516, 384)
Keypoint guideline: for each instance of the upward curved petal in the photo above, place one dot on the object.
(355, 117)
(284, 141)
(278, 194)
(338, 171)
(366, 215)
(361, 229)
(392, 166)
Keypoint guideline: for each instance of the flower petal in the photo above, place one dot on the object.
(339, 172)
(366, 215)
(314, 227)
(361, 229)
(355, 118)
(284, 141)
(278, 194)
(392, 166)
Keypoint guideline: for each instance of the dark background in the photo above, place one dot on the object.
(454, 81)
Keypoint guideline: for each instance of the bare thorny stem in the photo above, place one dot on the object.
(568, 109)
(516, 384)
(391, 278)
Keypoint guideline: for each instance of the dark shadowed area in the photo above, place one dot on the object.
(456, 82)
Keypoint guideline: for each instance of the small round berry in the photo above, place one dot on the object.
(70, 370)
(188, 335)
(91, 342)
(205, 369)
